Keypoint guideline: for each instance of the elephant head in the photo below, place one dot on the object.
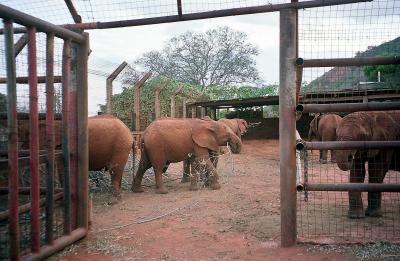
(313, 131)
(364, 126)
(212, 134)
(242, 125)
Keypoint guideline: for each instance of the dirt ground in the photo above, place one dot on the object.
(241, 221)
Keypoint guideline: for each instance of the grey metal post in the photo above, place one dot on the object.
(109, 86)
(287, 126)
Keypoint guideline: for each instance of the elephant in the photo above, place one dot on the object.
(323, 128)
(171, 140)
(110, 142)
(238, 126)
(364, 126)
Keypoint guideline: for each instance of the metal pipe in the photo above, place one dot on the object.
(41, 25)
(59, 244)
(109, 86)
(360, 187)
(83, 140)
(20, 44)
(179, 6)
(66, 65)
(348, 145)
(348, 107)
(34, 141)
(50, 137)
(287, 126)
(12, 139)
(24, 79)
(4, 215)
(75, 16)
(356, 61)
(206, 15)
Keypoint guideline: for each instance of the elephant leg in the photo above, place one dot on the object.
(323, 156)
(209, 168)
(333, 156)
(165, 168)
(357, 175)
(196, 169)
(376, 171)
(186, 170)
(144, 165)
(116, 177)
(160, 187)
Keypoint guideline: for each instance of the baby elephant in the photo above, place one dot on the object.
(172, 140)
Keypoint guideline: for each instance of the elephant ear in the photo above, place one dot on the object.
(205, 135)
(242, 125)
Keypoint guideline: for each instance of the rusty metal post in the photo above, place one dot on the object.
(157, 105)
(109, 85)
(83, 139)
(50, 137)
(34, 141)
(136, 99)
(20, 44)
(12, 139)
(287, 126)
(66, 65)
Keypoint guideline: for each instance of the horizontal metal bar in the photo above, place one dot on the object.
(348, 107)
(41, 25)
(347, 145)
(356, 61)
(24, 161)
(59, 244)
(26, 207)
(359, 187)
(25, 116)
(24, 79)
(206, 15)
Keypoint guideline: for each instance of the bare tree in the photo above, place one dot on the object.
(219, 56)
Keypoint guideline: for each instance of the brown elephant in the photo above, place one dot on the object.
(110, 142)
(172, 140)
(238, 126)
(323, 128)
(372, 126)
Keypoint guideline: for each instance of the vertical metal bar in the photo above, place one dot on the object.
(34, 141)
(287, 126)
(73, 134)
(50, 137)
(66, 65)
(83, 149)
(179, 6)
(12, 139)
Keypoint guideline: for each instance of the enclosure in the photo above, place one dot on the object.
(336, 56)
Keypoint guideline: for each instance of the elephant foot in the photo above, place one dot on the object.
(356, 213)
(185, 179)
(161, 190)
(137, 189)
(323, 161)
(376, 212)
(215, 185)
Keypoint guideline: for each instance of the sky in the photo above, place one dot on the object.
(127, 44)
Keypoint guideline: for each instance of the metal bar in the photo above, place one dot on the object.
(20, 44)
(34, 141)
(83, 140)
(356, 61)
(109, 86)
(50, 137)
(360, 187)
(75, 16)
(136, 99)
(348, 107)
(287, 126)
(205, 15)
(58, 245)
(41, 25)
(4, 215)
(73, 134)
(25, 190)
(66, 65)
(179, 6)
(12, 139)
(24, 79)
(348, 145)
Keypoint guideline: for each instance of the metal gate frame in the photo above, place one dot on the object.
(75, 134)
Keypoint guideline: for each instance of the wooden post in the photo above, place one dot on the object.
(176, 92)
(109, 86)
(136, 99)
(157, 105)
(194, 111)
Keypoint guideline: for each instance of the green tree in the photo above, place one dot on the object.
(218, 57)
(389, 73)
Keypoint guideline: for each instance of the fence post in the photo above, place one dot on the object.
(136, 99)
(157, 105)
(109, 86)
(287, 126)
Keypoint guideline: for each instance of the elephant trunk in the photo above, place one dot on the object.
(235, 144)
(344, 160)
